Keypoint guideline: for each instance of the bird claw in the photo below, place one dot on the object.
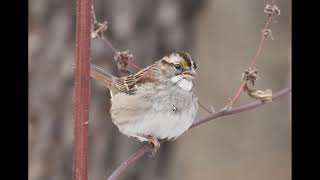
(155, 144)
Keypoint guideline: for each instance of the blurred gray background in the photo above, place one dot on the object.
(221, 35)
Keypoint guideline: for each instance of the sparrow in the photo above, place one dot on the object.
(156, 103)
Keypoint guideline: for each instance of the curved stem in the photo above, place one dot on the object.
(253, 63)
(245, 107)
(133, 158)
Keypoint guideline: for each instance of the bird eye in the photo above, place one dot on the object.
(178, 66)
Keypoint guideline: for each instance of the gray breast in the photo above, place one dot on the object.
(174, 99)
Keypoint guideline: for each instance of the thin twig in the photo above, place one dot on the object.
(105, 40)
(237, 95)
(223, 112)
(263, 38)
(109, 44)
(133, 158)
(253, 63)
(245, 107)
(93, 15)
(203, 107)
(81, 105)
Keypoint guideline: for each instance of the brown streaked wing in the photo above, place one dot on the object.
(127, 83)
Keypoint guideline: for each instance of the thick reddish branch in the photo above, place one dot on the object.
(81, 108)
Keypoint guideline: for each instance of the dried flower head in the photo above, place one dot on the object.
(264, 96)
(271, 10)
(250, 75)
(98, 29)
(267, 33)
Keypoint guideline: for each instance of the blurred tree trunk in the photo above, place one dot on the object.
(148, 29)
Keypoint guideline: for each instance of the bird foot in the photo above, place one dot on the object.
(155, 144)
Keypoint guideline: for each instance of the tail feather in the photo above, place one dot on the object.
(100, 75)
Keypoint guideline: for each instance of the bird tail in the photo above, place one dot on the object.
(100, 75)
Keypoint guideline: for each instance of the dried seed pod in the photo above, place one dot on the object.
(271, 10)
(267, 33)
(250, 75)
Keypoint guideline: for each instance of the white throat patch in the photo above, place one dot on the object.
(183, 83)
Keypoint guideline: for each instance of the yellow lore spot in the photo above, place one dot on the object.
(184, 64)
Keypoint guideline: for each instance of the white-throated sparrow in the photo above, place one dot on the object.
(156, 103)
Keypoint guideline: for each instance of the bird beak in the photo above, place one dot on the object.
(190, 74)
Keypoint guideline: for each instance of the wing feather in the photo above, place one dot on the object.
(128, 83)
